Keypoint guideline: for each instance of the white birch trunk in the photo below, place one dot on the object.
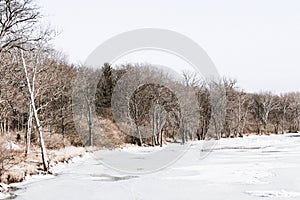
(28, 131)
(34, 110)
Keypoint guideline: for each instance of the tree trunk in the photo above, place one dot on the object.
(34, 110)
(136, 120)
(283, 120)
(62, 120)
(90, 124)
(42, 143)
(154, 127)
(161, 138)
(28, 131)
(139, 133)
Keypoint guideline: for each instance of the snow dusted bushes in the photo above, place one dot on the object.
(6, 158)
(14, 167)
(65, 154)
(10, 156)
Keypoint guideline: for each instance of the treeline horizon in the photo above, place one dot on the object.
(37, 84)
(246, 113)
(44, 104)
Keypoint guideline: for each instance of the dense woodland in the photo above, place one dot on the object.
(36, 98)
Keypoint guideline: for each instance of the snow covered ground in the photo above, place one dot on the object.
(255, 167)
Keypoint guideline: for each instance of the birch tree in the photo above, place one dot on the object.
(294, 116)
(218, 107)
(268, 103)
(243, 108)
(284, 106)
(31, 88)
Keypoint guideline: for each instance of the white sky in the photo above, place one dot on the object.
(255, 41)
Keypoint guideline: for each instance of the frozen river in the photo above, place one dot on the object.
(241, 168)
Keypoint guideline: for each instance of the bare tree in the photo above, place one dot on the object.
(18, 19)
(294, 114)
(268, 103)
(242, 110)
(284, 106)
(205, 110)
(231, 107)
(30, 86)
(191, 79)
(218, 107)
(84, 103)
(158, 120)
(6, 158)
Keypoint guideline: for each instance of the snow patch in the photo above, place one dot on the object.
(11, 146)
(4, 195)
(59, 167)
(3, 187)
(278, 194)
(4, 191)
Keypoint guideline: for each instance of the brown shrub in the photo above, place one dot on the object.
(55, 141)
(6, 158)
(14, 176)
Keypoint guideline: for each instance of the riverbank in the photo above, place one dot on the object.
(27, 169)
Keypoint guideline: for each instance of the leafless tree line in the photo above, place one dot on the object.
(37, 86)
(33, 77)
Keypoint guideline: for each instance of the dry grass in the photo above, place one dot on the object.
(59, 149)
(55, 141)
(20, 166)
(6, 158)
(65, 154)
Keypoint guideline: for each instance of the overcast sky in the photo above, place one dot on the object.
(255, 41)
